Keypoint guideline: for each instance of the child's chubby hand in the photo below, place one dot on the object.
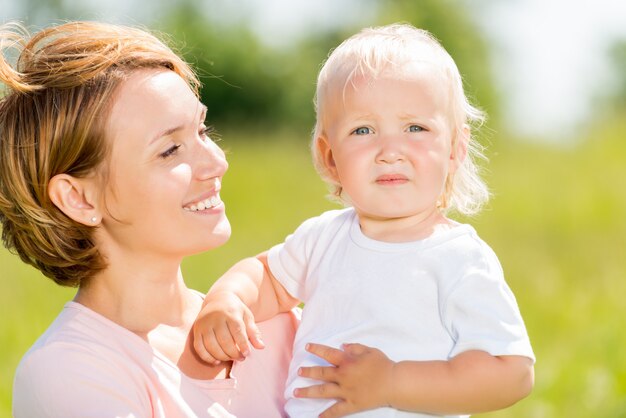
(224, 329)
(359, 377)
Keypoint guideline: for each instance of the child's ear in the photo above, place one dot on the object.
(74, 198)
(326, 154)
(459, 149)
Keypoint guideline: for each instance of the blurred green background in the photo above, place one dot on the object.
(556, 221)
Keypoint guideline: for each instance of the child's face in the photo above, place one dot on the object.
(389, 144)
(162, 165)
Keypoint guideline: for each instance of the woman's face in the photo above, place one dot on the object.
(164, 173)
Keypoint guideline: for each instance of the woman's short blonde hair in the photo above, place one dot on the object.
(56, 99)
(384, 51)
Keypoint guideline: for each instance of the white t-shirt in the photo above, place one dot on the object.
(425, 300)
(87, 366)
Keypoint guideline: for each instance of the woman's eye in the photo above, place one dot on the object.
(415, 128)
(208, 132)
(170, 151)
(363, 130)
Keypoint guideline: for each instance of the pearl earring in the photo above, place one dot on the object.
(94, 219)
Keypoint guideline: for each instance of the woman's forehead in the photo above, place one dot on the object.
(153, 96)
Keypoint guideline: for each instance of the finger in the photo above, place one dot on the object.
(323, 391)
(254, 334)
(326, 374)
(237, 331)
(201, 351)
(338, 409)
(331, 355)
(213, 348)
(355, 349)
(227, 344)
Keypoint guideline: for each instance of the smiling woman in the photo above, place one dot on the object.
(163, 159)
(108, 181)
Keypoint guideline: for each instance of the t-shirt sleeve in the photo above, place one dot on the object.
(289, 261)
(61, 382)
(481, 313)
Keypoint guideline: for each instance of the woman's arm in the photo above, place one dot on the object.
(246, 293)
(364, 378)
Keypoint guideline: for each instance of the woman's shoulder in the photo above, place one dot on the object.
(72, 364)
(79, 340)
(78, 328)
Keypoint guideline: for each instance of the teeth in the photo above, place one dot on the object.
(210, 202)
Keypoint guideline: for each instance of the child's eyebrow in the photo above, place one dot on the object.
(367, 116)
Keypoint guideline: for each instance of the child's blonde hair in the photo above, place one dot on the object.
(376, 51)
(52, 120)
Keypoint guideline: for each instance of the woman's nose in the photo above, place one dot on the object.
(211, 161)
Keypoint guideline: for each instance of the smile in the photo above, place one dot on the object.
(207, 203)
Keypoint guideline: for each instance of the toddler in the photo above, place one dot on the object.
(432, 325)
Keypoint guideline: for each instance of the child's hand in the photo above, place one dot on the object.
(223, 328)
(361, 379)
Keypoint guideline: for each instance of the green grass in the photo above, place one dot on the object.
(556, 221)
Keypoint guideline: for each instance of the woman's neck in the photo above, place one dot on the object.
(139, 295)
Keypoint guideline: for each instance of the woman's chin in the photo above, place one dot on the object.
(219, 235)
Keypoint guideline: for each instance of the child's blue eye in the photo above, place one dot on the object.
(170, 151)
(363, 130)
(415, 128)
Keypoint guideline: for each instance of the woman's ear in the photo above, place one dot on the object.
(326, 154)
(72, 196)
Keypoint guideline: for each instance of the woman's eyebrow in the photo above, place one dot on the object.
(172, 130)
(167, 132)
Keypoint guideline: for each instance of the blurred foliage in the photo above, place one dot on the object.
(610, 102)
(245, 83)
(618, 60)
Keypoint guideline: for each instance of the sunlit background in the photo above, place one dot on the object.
(551, 74)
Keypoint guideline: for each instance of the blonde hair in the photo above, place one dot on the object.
(374, 52)
(52, 116)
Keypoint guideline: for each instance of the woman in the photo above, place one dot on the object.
(108, 180)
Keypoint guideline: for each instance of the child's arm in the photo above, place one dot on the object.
(246, 293)
(364, 378)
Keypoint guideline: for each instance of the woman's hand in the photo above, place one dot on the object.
(361, 378)
(223, 328)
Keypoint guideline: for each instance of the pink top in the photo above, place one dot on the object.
(85, 365)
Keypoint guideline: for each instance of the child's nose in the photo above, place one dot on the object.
(391, 150)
